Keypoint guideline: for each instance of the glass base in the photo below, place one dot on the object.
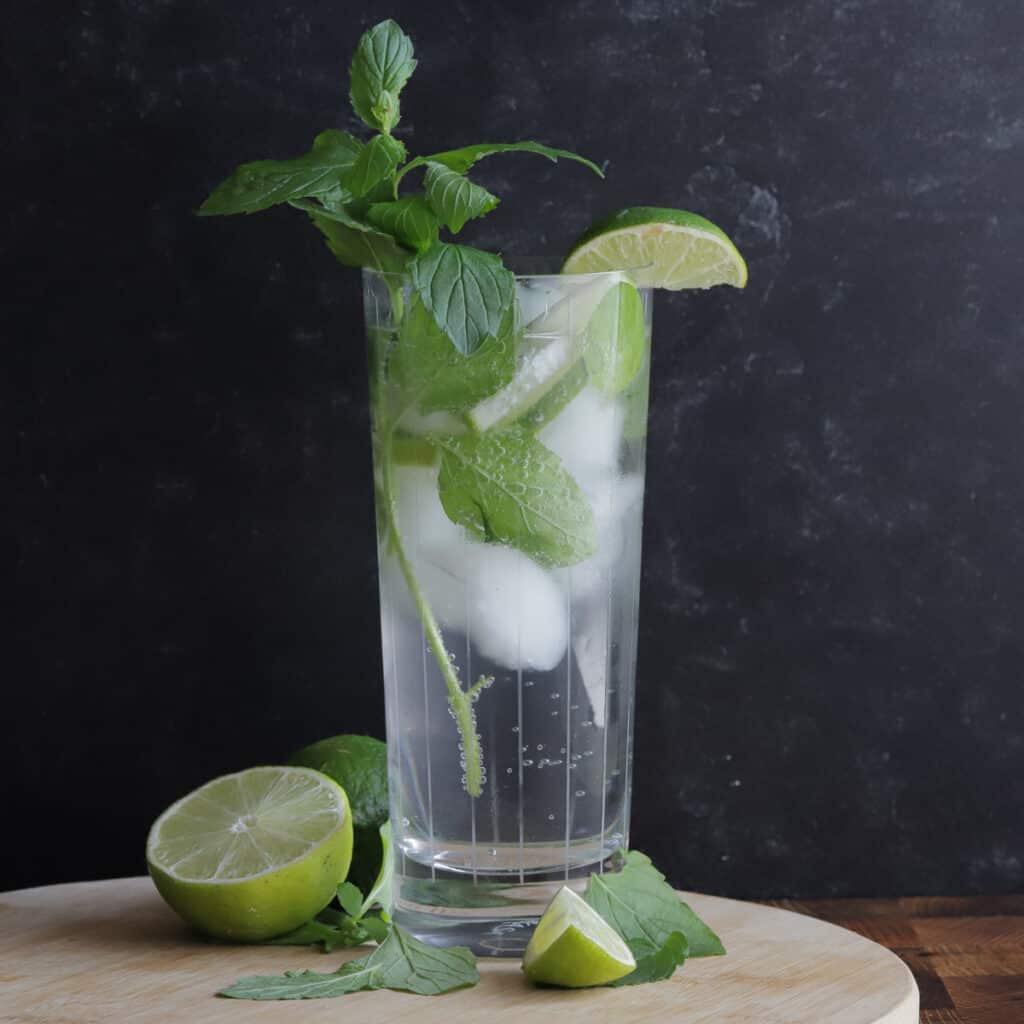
(492, 913)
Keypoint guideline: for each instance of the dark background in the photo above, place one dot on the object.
(830, 696)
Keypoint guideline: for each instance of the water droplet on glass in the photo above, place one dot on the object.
(736, 783)
(527, 764)
(581, 792)
(554, 696)
(493, 851)
(561, 750)
(406, 823)
(551, 817)
(508, 771)
(554, 714)
(540, 746)
(515, 728)
(528, 682)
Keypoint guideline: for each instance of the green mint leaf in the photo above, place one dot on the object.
(461, 160)
(645, 910)
(410, 220)
(505, 486)
(401, 962)
(468, 292)
(353, 242)
(329, 928)
(381, 66)
(405, 964)
(351, 899)
(375, 164)
(428, 368)
(454, 198)
(264, 183)
(380, 894)
(658, 965)
(375, 926)
(615, 339)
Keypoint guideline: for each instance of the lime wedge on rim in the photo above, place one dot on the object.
(574, 947)
(660, 248)
(254, 854)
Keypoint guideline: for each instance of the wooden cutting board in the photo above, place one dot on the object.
(112, 952)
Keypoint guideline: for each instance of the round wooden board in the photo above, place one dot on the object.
(107, 952)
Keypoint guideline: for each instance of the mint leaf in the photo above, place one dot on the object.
(615, 338)
(658, 965)
(405, 964)
(375, 926)
(376, 163)
(645, 910)
(351, 899)
(410, 220)
(468, 292)
(426, 365)
(331, 929)
(380, 894)
(380, 68)
(454, 198)
(505, 486)
(401, 962)
(461, 160)
(264, 183)
(353, 242)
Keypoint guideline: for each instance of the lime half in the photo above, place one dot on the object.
(574, 947)
(660, 248)
(254, 854)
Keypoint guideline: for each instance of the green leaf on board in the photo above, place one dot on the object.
(381, 66)
(374, 166)
(659, 965)
(401, 962)
(468, 292)
(264, 183)
(462, 159)
(615, 339)
(505, 486)
(645, 910)
(330, 929)
(409, 219)
(454, 198)
(425, 364)
(380, 894)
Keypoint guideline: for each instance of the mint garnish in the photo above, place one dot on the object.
(458, 336)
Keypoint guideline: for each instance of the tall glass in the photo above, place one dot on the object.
(519, 781)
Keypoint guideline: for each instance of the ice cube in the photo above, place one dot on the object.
(421, 516)
(586, 434)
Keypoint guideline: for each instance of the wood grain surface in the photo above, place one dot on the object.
(106, 952)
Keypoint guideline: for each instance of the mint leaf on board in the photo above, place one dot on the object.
(381, 66)
(462, 159)
(659, 965)
(425, 364)
(468, 292)
(380, 894)
(264, 183)
(353, 242)
(454, 198)
(350, 899)
(331, 929)
(401, 962)
(505, 486)
(645, 910)
(409, 219)
(615, 339)
(375, 164)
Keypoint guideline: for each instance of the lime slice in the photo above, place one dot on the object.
(549, 348)
(660, 248)
(359, 764)
(254, 854)
(574, 947)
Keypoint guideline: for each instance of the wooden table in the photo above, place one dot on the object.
(966, 954)
(106, 952)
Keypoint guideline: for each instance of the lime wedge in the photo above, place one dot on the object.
(574, 947)
(660, 248)
(549, 348)
(254, 854)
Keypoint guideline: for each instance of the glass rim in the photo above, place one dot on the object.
(562, 278)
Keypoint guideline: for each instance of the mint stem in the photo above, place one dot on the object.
(460, 700)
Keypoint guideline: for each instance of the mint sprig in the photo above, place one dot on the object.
(464, 299)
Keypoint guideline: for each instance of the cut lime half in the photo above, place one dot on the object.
(254, 854)
(574, 947)
(660, 248)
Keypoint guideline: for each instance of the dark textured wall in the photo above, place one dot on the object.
(830, 695)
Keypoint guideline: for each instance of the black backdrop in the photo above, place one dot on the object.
(831, 638)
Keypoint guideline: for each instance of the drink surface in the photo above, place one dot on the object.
(559, 641)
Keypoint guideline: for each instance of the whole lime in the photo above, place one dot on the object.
(359, 764)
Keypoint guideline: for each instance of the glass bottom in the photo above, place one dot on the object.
(492, 912)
